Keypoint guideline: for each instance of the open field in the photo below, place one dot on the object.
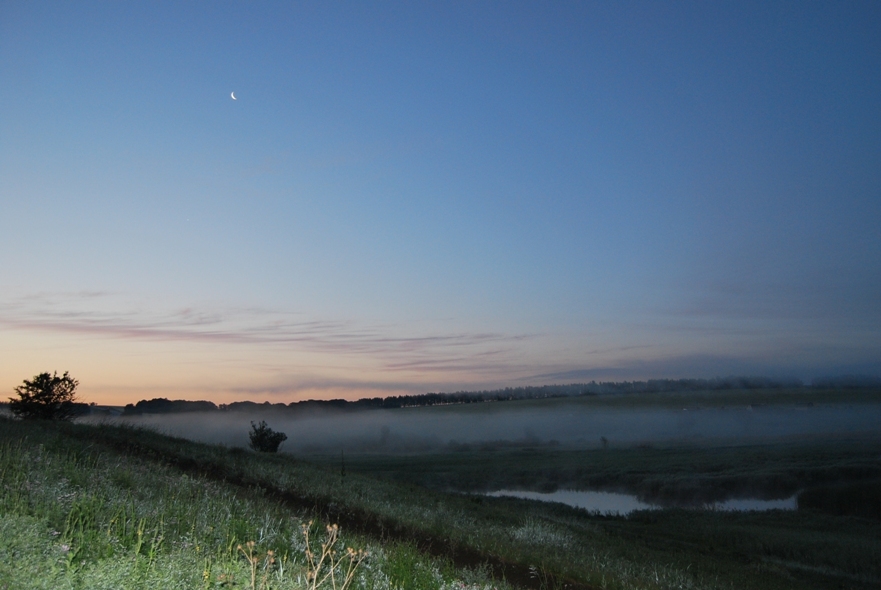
(108, 507)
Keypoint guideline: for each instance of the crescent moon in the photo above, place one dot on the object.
(233, 95)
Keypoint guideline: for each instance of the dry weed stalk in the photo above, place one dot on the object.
(254, 558)
(326, 565)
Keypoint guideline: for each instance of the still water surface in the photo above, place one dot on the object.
(622, 504)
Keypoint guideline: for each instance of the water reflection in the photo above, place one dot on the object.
(623, 504)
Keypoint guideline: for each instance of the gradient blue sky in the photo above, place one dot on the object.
(412, 197)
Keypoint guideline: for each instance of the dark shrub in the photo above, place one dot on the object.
(264, 439)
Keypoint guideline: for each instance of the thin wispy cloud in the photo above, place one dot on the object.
(398, 350)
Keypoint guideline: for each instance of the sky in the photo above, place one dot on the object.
(408, 197)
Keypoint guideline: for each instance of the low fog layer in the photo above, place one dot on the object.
(437, 428)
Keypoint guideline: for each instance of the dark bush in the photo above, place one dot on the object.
(264, 439)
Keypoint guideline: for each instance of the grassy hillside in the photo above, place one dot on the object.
(109, 507)
(91, 508)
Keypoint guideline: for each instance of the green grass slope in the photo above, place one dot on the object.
(109, 507)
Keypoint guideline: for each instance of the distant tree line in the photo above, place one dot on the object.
(674, 385)
(162, 405)
(846, 382)
(53, 397)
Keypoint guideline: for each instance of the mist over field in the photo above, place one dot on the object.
(501, 424)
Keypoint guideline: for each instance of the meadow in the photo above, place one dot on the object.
(115, 506)
(86, 506)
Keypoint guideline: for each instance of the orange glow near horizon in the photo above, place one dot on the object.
(117, 372)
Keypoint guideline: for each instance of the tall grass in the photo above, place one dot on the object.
(75, 515)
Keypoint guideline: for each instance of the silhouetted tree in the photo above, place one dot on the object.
(46, 397)
(264, 439)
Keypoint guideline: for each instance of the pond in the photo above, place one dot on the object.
(622, 504)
